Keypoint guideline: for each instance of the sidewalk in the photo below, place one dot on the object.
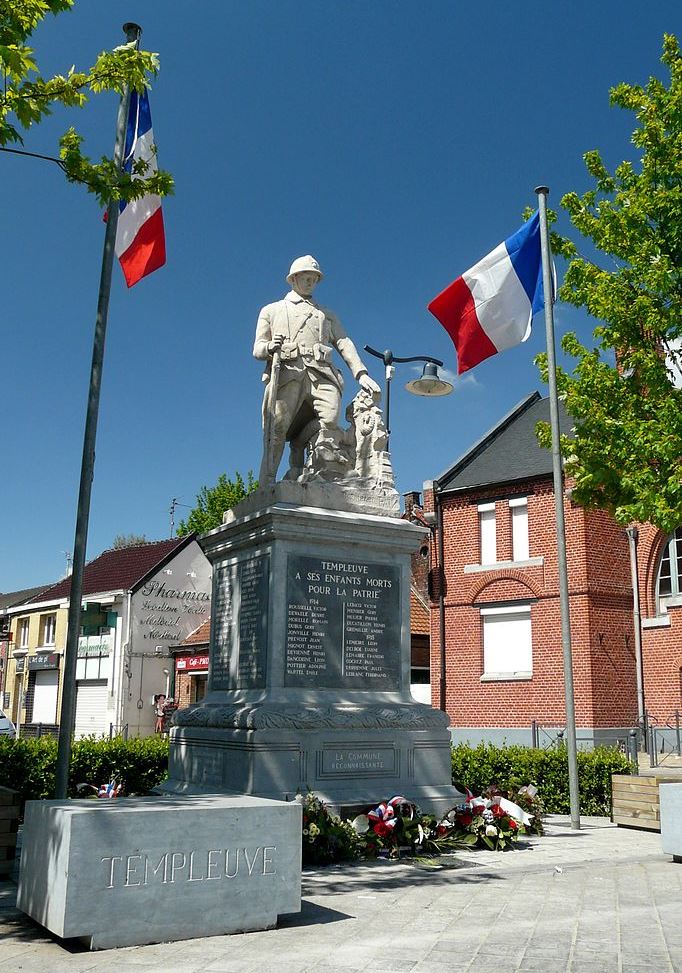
(601, 900)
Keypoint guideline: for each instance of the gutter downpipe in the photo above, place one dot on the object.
(125, 653)
(632, 535)
(441, 594)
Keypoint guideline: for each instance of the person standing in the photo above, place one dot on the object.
(159, 704)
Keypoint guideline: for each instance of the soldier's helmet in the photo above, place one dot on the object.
(303, 264)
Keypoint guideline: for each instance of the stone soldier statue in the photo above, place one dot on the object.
(296, 337)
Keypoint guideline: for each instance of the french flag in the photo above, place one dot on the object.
(140, 238)
(490, 307)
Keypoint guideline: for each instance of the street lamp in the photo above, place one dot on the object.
(428, 384)
(19, 655)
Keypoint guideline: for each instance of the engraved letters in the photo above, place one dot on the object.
(174, 867)
(342, 625)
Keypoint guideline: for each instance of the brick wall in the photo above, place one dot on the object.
(600, 608)
(662, 645)
(662, 658)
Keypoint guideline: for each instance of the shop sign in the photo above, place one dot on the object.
(43, 660)
(174, 603)
(97, 645)
(191, 663)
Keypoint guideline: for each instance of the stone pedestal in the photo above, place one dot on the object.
(146, 870)
(671, 819)
(310, 664)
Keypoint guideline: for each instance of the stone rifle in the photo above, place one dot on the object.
(268, 418)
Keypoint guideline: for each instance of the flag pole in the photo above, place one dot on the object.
(67, 711)
(557, 470)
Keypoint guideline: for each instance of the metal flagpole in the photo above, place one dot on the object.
(68, 704)
(547, 280)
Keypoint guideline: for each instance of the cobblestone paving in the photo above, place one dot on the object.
(602, 900)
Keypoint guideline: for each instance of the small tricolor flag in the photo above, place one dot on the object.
(490, 307)
(112, 789)
(140, 239)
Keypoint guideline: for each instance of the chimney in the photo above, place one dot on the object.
(411, 500)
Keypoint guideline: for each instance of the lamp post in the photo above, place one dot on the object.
(18, 655)
(429, 384)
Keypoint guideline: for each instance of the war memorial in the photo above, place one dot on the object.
(309, 677)
(310, 646)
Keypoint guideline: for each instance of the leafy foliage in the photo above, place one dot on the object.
(514, 766)
(26, 98)
(28, 765)
(212, 502)
(127, 540)
(626, 456)
(326, 838)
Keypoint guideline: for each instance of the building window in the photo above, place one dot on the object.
(507, 642)
(487, 533)
(48, 625)
(670, 571)
(199, 687)
(420, 675)
(519, 518)
(24, 625)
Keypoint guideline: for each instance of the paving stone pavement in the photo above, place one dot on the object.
(601, 900)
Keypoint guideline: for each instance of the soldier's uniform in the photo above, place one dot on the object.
(309, 384)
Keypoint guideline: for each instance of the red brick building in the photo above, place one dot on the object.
(499, 598)
(660, 592)
(191, 666)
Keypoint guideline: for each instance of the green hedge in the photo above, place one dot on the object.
(513, 766)
(28, 766)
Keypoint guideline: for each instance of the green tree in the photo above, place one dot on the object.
(26, 98)
(212, 502)
(626, 455)
(127, 540)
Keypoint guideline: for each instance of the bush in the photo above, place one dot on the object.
(28, 765)
(512, 767)
(326, 838)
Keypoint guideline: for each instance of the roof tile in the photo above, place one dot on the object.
(509, 451)
(200, 636)
(120, 569)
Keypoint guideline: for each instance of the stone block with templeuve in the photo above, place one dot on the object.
(147, 870)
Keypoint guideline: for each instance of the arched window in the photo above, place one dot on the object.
(670, 571)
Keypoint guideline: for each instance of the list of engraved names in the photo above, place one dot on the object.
(343, 624)
(238, 650)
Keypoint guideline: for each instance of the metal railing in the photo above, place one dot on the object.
(32, 731)
(118, 730)
(548, 737)
(664, 739)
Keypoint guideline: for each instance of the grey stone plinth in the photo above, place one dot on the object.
(309, 673)
(670, 797)
(131, 871)
(348, 496)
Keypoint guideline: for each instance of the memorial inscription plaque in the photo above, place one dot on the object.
(343, 625)
(239, 645)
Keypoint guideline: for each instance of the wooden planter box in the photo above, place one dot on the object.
(635, 801)
(9, 822)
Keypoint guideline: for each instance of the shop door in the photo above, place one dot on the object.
(199, 687)
(45, 696)
(91, 708)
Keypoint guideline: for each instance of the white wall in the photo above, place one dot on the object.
(173, 603)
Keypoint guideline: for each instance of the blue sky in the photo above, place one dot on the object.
(397, 141)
